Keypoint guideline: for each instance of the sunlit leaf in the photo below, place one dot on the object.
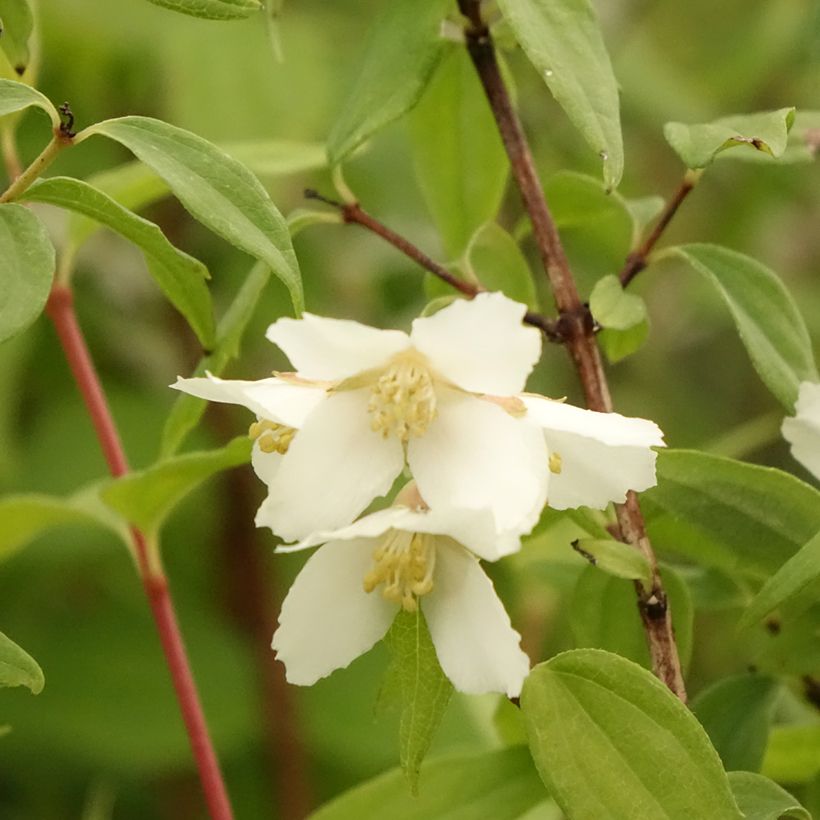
(462, 169)
(767, 318)
(400, 56)
(215, 188)
(212, 9)
(736, 713)
(501, 784)
(26, 269)
(610, 741)
(180, 276)
(187, 410)
(613, 307)
(698, 145)
(618, 344)
(146, 498)
(16, 24)
(793, 753)
(18, 668)
(727, 514)
(16, 96)
(422, 686)
(762, 799)
(563, 40)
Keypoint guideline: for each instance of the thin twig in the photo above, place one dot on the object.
(578, 331)
(60, 309)
(353, 213)
(638, 259)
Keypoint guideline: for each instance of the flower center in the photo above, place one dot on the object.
(403, 401)
(403, 562)
(272, 437)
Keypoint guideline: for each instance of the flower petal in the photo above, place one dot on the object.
(327, 619)
(475, 455)
(602, 455)
(803, 430)
(335, 466)
(476, 645)
(322, 348)
(265, 465)
(279, 400)
(480, 345)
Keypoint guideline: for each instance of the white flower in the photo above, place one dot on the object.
(407, 556)
(802, 430)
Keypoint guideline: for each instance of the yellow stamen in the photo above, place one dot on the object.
(403, 563)
(271, 437)
(403, 401)
(556, 463)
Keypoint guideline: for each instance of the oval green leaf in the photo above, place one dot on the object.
(462, 169)
(495, 260)
(16, 96)
(216, 189)
(17, 24)
(18, 668)
(180, 276)
(563, 40)
(610, 741)
(612, 307)
(793, 753)
(727, 514)
(400, 56)
(736, 713)
(26, 269)
(699, 145)
(501, 784)
(147, 497)
(762, 799)
(767, 319)
(212, 9)
(615, 558)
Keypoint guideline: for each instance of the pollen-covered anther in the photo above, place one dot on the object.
(556, 462)
(403, 565)
(271, 437)
(403, 400)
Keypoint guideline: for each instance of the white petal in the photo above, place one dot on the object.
(803, 431)
(335, 466)
(475, 643)
(265, 465)
(274, 399)
(480, 345)
(602, 454)
(475, 455)
(327, 619)
(322, 348)
(475, 529)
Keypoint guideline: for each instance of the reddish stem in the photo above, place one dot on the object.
(60, 309)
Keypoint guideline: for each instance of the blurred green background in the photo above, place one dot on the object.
(105, 731)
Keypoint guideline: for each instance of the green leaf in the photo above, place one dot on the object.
(804, 138)
(736, 713)
(615, 558)
(187, 410)
(216, 189)
(16, 24)
(563, 40)
(793, 753)
(495, 260)
(212, 9)
(18, 668)
(180, 277)
(26, 269)
(302, 218)
(642, 210)
(147, 497)
(424, 689)
(727, 514)
(762, 799)
(766, 316)
(501, 785)
(604, 615)
(795, 577)
(16, 96)
(610, 741)
(698, 145)
(618, 344)
(613, 307)
(462, 169)
(400, 56)
(276, 158)
(27, 516)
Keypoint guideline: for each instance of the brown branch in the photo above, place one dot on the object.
(353, 213)
(578, 330)
(638, 259)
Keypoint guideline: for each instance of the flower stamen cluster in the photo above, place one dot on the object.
(403, 562)
(403, 401)
(271, 437)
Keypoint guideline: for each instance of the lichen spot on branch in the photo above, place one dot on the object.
(403, 564)
(271, 437)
